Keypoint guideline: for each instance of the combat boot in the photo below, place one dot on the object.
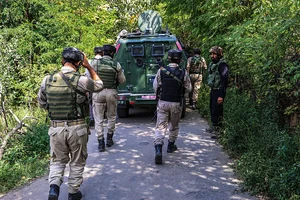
(171, 147)
(158, 154)
(54, 192)
(92, 123)
(101, 146)
(109, 140)
(76, 196)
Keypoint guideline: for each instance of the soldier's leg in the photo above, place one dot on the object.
(174, 126)
(160, 130)
(112, 101)
(78, 138)
(99, 109)
(59, 158)
(196, 91)
(161, 123)
(192, 91)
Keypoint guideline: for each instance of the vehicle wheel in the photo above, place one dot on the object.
(123, 112)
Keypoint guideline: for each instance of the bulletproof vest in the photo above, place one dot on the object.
(214, 76)
(172, 89)
(196, 65)
(61, 99)
(107, 71)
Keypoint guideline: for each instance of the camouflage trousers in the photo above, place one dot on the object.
(196, 80)
(168, 116)
(107, 99)
(68, 144)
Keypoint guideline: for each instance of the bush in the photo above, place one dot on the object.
(26, 156)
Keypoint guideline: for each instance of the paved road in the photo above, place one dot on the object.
(126, 171)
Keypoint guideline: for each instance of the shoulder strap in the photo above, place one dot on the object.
(67, 80)
(164, 70)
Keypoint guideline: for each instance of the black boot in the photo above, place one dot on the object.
(171, 147)
(101, 146)
(158, 154)
(92, 123)
(54, 192)
(76, 196)
(109, 140)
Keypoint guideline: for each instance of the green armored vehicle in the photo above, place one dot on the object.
(140, 54)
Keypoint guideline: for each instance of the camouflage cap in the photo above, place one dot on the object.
(217, 50)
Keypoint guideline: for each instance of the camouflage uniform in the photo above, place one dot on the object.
(68, 138)
(168, 113)
(108, 97)
(195, 67)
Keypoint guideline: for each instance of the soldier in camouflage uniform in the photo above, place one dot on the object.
(218, 71)
(195, 67)
(112, 75)
(173, 83)
(63, 94)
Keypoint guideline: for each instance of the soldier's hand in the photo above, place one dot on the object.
(220, 100)
(85, 62)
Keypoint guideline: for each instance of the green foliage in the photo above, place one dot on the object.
(267, 158)
(27, 154)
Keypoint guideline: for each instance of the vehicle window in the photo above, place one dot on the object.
(158, 50)
(137, 51)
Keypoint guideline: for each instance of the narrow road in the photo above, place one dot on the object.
(126, 171)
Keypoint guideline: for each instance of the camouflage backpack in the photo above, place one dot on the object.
(196, 65)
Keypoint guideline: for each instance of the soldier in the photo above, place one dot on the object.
(112, 75)
(171, 83)
(195, 67)
(98, 51)
(63, 94)
(218, 81)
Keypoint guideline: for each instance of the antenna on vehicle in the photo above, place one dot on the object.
(167, 29)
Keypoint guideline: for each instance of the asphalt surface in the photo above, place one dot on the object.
(199, 169)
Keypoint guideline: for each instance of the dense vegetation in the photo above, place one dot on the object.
(261, 44)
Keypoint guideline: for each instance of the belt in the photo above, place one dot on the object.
(66, 123)
(215, 88)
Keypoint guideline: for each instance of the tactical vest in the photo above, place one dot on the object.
(196, 65)
(107, 71)
(61, 99)
(214, 76)
(172, 89)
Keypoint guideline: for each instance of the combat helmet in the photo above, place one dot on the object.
(98, 50)
(174, 54)
(72, 53)
(217, 50)
(110, 48)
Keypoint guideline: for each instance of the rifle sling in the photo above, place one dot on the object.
(67, 80)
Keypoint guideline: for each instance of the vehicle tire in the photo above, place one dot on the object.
(183, 108)
(123, 112)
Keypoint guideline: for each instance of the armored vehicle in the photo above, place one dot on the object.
(141, 53)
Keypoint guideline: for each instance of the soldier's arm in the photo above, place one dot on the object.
(42, 98)
(91, 71)
(157, 81)
(187, 83)
(120, 76)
